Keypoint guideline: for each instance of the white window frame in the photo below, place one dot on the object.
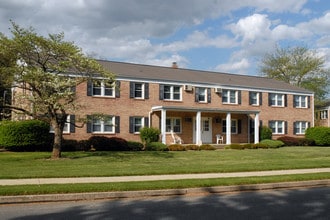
(229, 95)
(202, 92)
(142, 90)
(300, 127)
(276, 98)
(277, 126)
(172, 92)
(324, 114)
(173, 126)
(299, 100)
(102, 123)
(103, 88)
(66, 128)
(234, 126)
(256, 97)
(137, 131)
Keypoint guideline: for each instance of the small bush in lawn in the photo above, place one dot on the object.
(321, 135)
(134, 146)
(149, 135)
(272, 143)
(192, 147)
(176, 147)
(235, 146)
(293, 141)
(206, 147)
(156, 146)
(265, 133)
(259, 146)
(102, 143)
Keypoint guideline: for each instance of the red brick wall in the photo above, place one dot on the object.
(125, 107)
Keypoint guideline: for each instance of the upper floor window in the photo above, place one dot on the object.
(173, 124)
(255, 98)
(300, 127)
(136, 123)
(170, 92)
(278, 127)
(276, 99)
(139, 90)
(231, 96)
(203, 95)
(103, 88)
(300, 101)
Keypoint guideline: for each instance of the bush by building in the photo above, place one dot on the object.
(320, 135)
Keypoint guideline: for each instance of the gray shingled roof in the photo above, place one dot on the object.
(186, 76)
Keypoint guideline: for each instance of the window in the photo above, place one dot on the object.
(300, 101)
(102, 88)
(300, 127)
(277, 99)
(173, 124)
(278, 127)
(234, 126)
(203, 95)
(324, 114)
(255, 98)
(139, 90)
(106, 125)
(231, 97)
(170, 92)
(136, 123)
(68, 126)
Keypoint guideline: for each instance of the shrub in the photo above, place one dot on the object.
(235, 146)
(293, 141)
(259, 146)
(272, 143)
(134, 146)
(206, 147)
(149, 135)
(156, 146)
(192, 147)
(101, 143)
(265, 133)
(176, 147)
(320, 135)
(29, 135)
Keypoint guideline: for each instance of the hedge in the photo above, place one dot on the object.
(29, 135)
(320, 135)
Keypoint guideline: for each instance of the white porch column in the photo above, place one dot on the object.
(198, 129)
(163, 126)
(256, 128)
(228, 128)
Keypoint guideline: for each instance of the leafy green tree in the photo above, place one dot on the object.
(45, 71)
(298, 66)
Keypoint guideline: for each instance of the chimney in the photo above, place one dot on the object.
(175, 65)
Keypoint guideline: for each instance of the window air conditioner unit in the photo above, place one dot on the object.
(188, 88)
(218, 90)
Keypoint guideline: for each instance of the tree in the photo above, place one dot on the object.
(298, 66)
(45, 73)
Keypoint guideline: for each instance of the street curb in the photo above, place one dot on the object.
(165, 192)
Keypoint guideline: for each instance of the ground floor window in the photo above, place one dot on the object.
(105, 125)
(300, 127)
(234, 126)
(278, 127)
(173, 124)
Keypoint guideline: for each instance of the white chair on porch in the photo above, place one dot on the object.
(176, 138)
(219, 138)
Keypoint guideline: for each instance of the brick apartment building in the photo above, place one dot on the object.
(322, 115)
(194, 105)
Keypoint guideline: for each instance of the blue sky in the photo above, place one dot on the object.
(217, 35)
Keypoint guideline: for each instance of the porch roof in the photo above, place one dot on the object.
(209, 110)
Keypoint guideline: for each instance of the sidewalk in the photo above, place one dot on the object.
(170, 192)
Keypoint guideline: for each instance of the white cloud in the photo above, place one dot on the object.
(235, 66)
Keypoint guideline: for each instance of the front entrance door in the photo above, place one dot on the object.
(206, 130)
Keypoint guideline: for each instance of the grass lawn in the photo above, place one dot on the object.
(79, 164)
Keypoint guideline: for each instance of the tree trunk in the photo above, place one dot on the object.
(56, 154)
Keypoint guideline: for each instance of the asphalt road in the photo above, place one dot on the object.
(306, 203)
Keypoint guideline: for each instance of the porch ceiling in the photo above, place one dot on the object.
(195, 109)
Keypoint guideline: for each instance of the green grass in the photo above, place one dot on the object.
(83, 164)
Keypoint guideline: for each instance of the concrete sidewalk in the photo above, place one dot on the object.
(39, 181)
(166, 192)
